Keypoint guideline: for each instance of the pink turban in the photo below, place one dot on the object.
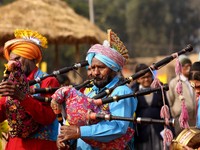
(110, 57)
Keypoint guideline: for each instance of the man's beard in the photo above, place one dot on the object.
(102, 83)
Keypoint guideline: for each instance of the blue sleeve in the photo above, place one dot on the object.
(106, 131)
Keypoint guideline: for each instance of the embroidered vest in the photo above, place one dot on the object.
(22, 124)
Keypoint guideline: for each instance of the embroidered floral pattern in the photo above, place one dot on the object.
(77, 107)
(21, 124)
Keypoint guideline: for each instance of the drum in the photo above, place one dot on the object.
(188, 137)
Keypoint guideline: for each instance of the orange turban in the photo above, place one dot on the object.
(24, 48)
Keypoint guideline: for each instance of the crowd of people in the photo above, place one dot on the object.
(33, 124)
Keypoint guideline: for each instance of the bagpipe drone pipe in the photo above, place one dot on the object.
(60, 71)
(138, 120)
(85, 84)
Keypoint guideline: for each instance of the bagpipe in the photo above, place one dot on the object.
(81, 110)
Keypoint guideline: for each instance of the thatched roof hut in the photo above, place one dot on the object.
(52, 18)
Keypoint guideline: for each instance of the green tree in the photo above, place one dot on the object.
(111, 15)
(107, 14)
(157, 27)
(145, 26)
(184, 23)
(3, 2)
(80, 6)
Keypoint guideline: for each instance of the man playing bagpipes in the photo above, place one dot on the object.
(33, 124)
(106, 62)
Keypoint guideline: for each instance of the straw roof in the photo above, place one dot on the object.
(52, 18)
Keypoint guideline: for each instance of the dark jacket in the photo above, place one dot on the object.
(150, 111)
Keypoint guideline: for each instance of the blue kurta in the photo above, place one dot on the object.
(106, 131)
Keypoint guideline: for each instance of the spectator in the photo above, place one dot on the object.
(188, 93)
(148, 136)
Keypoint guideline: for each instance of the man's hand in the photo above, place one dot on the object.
(70, 132)
(9, 89)
(67, 133)
(57, 108)
(61, 144)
